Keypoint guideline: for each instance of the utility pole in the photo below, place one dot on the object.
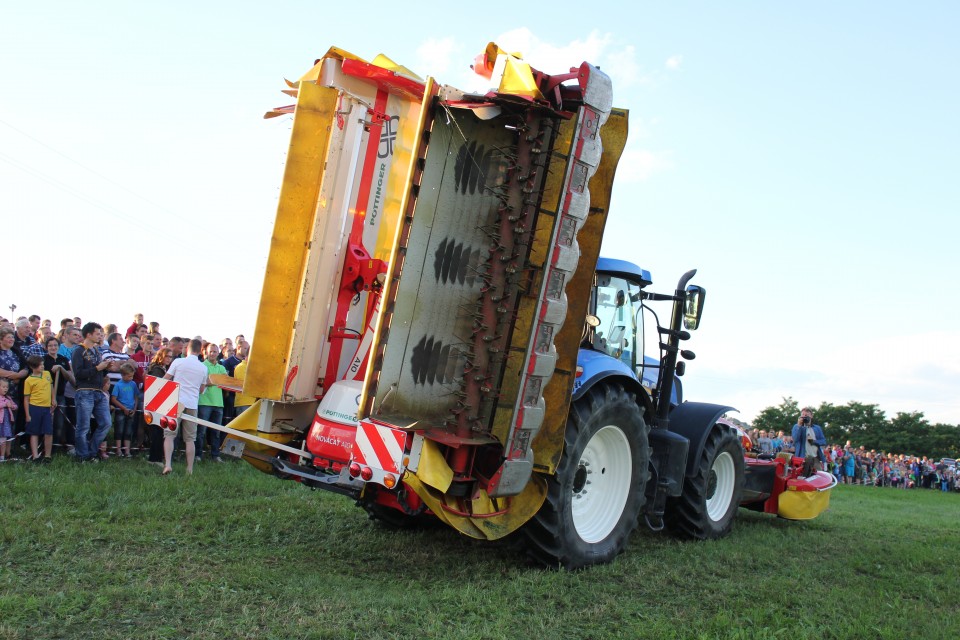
(13, 308)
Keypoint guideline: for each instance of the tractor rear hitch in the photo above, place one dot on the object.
(309, 477)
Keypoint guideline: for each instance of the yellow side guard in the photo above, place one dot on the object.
(490, 518)
(548, 445)
(481, 517)
(802, 505)
(247, 421)
(433, 470)
(289, 246)
(337, 53)
(794, 504)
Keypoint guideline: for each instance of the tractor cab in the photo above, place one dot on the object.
(615, 327)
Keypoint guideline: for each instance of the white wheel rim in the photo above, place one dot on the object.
(598, 505)
(719, 502)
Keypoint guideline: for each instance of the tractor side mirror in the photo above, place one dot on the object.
(589, 329)
(693, 307)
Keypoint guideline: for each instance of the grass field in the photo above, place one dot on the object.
(116, 551)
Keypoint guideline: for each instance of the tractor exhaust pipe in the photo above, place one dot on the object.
(671, 349)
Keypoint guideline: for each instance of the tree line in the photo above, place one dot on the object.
(867, 425)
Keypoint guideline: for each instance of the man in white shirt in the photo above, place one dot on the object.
(192, 376)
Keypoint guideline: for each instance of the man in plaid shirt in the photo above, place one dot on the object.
(27, 345)
(25, 341)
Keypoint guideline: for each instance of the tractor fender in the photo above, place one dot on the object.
(693, 421)
(599, 366)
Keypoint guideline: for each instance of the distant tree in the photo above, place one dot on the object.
(779, 418)
(909, 433)
(737, 421)
(867, 425)
(924, 439)
(945, 440)
(854, 421)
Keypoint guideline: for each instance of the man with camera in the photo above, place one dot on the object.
(808, 439)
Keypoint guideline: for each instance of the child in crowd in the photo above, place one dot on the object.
(777, 442)
(38, 407)
(124, 399)
(7, 407)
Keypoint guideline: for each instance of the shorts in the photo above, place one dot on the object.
(189, 427)
(124, 426)
(41, 421)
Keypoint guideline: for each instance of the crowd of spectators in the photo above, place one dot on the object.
(857, 465)
(66, 390)
(55, 386)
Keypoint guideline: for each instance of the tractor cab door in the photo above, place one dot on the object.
(613, 305)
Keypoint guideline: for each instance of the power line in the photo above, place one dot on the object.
(105, 178)
(116, 213)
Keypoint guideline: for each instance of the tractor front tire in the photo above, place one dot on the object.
(710, 499)
(595, 497)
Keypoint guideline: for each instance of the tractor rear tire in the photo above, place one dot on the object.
(394, 518)
(708, 505)
(391, 518)
(594, 498)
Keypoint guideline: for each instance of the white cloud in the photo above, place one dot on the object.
(435, 55)
(552, 58)
(623, 67)
(673, 62)
(637, 165)
(918, 372)
(619, 62)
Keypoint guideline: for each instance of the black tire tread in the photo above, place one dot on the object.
(686, 515)
(544, 533)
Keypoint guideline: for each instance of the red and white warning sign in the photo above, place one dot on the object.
(380, 447)
(161, 396)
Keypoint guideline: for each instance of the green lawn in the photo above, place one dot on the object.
(116, 551)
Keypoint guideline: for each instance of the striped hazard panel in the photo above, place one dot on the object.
(380, 447)
(160, 396)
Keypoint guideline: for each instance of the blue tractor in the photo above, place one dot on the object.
(437, 339)
(633, 448)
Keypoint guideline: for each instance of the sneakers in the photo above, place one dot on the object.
(217, 459)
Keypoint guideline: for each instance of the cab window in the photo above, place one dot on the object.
(616, 335)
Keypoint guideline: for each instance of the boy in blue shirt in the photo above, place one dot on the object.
(124, 400)
(777, 442)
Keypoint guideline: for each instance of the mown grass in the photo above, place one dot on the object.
(116, 551)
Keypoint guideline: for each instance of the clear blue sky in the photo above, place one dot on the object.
(803, 157)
